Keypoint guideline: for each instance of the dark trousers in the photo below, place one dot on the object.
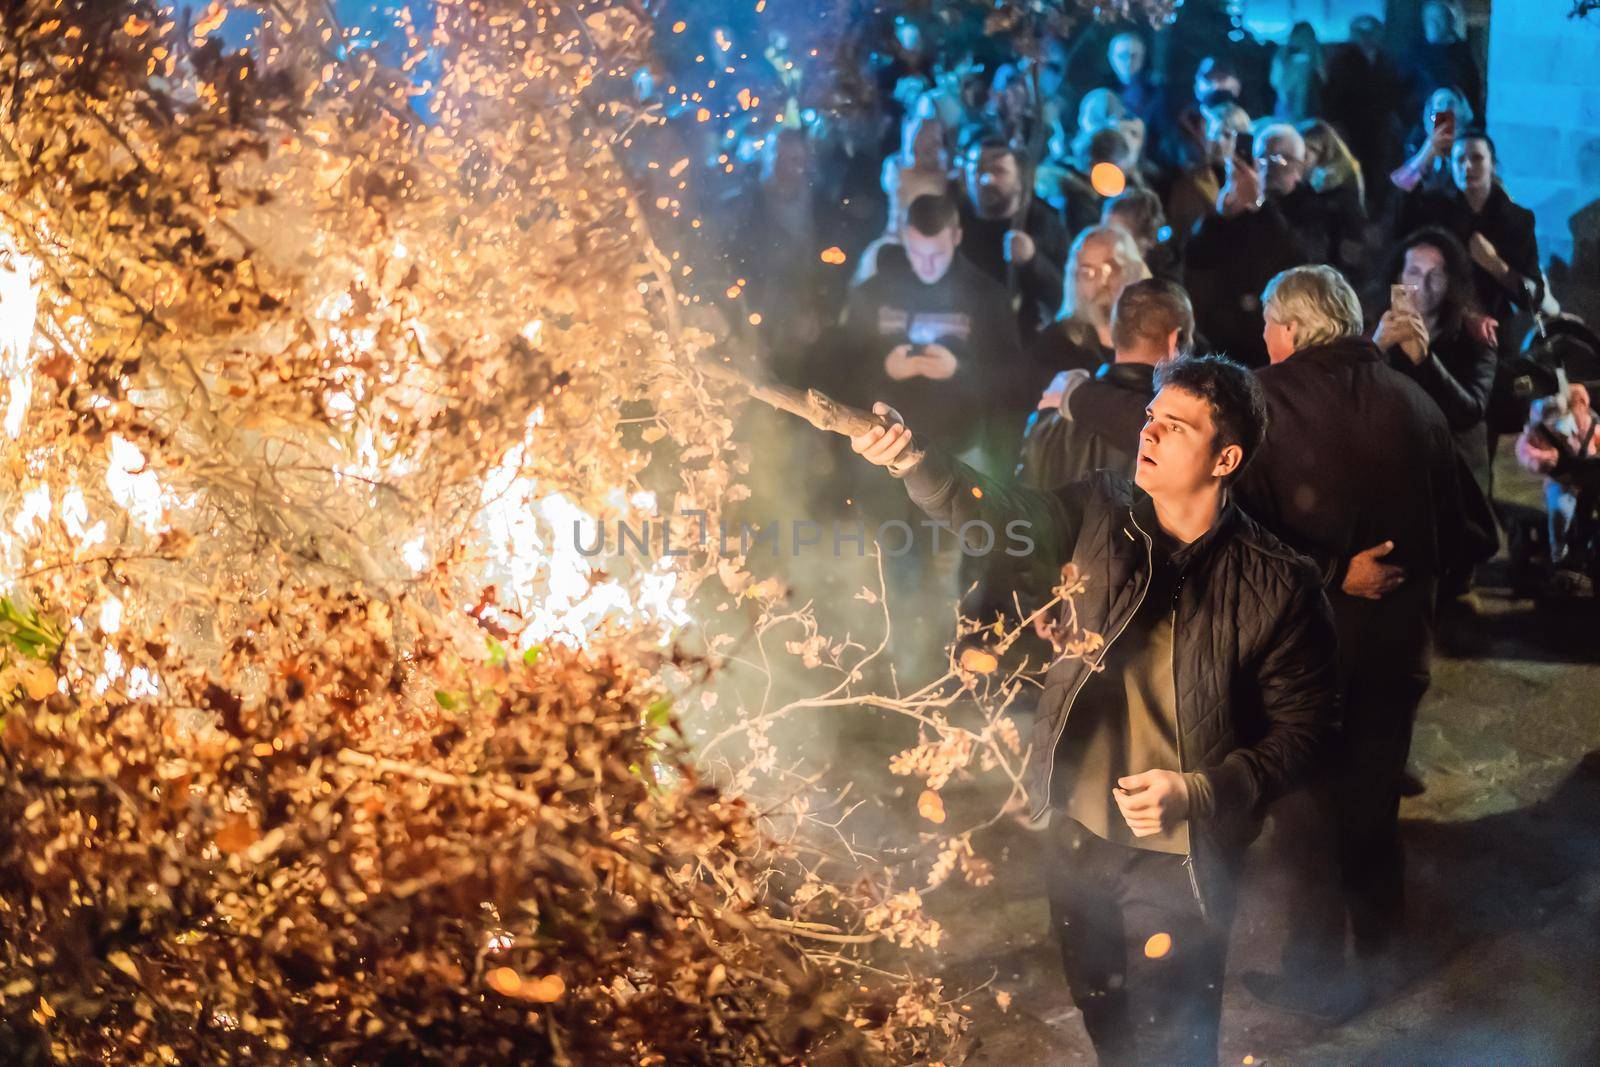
(1341, 837)
(1377, 743)
(1144, 1002)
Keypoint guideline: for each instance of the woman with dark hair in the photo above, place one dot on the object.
(1299, 75)
(1436, 338)
(1497, 233)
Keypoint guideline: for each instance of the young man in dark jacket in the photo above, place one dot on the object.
(929, 332)
(1211, 691)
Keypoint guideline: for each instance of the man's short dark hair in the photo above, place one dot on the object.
(1478, 133)
(1218, 98)
(1238, 406)
(1107, 145)
(1137, 210)
(1146, 314)
(932, 214)
(993, 142)
(1216, 68)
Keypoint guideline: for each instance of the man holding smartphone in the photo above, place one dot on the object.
(930, 333)
(1268, 219)
(1211, 690)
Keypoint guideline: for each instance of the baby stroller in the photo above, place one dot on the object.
(1560, 429)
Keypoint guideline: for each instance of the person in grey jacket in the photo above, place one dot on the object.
(1199, 685)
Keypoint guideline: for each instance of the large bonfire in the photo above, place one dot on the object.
(320, 744)
(320, 741)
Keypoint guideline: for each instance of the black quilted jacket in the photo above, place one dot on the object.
(1254, 644)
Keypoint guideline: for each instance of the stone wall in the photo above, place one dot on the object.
(1270, 20)
(1544, 114)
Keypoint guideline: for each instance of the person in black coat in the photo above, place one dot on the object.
(1444, 56)
(1437, 339)
(1498, 234)
(929, 332)
(1009, 235)
(1363, 101)
(1358, 472)
(1268, 221)
(935, 338)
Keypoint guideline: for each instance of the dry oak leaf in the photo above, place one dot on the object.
(38, 680)
(977, 661)
(236, 834)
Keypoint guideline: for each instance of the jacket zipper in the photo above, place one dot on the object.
(1183, 764)
(1149, 573)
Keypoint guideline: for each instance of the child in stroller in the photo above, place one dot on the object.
(1560, 443)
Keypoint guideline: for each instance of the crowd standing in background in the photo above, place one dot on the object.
(1006, 248)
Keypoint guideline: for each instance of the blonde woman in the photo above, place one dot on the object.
(1330, 165)
(1334, 175)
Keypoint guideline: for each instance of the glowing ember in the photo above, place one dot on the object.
(1157, 946)
(1108, 179)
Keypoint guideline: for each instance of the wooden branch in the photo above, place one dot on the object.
(380, 765)
(816, 931)
(817, 408)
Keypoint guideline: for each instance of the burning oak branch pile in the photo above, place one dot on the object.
(315, 743)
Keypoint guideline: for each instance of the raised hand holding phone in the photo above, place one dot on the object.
(1402, 299)
(1444, 132)
(1402, 325)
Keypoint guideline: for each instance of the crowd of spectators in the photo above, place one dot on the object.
(948, 223)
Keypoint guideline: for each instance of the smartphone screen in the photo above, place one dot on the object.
(1400, 298)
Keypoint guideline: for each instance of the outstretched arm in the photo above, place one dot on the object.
(1001, 514)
